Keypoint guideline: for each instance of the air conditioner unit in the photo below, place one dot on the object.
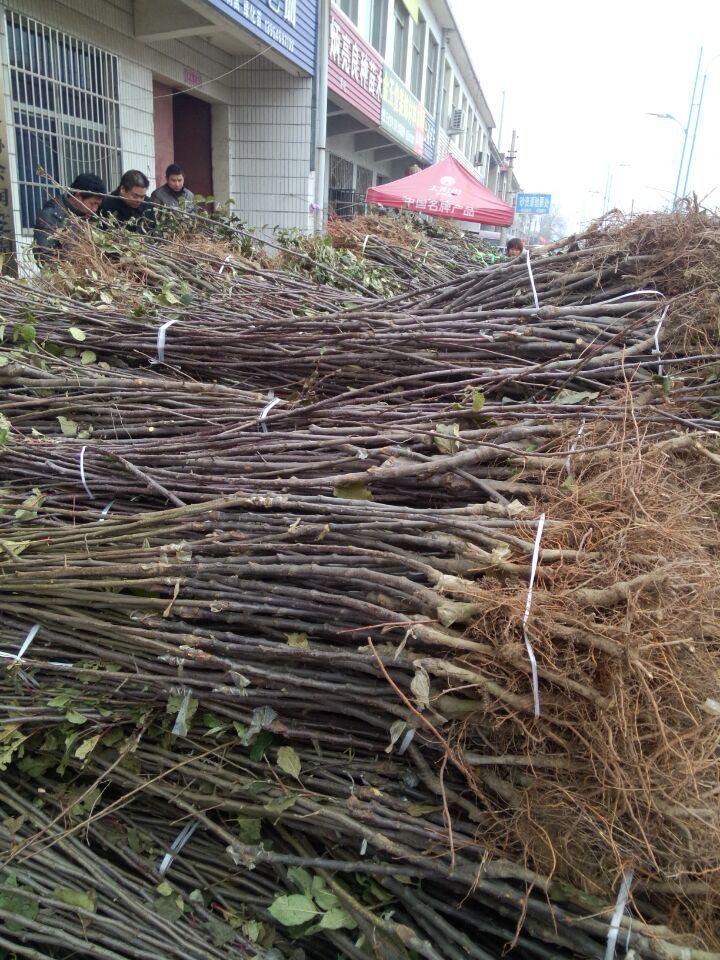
(478, 158)
(457, 122)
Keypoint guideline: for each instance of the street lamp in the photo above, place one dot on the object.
(686, 129)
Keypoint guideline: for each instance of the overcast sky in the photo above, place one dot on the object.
(579, 81)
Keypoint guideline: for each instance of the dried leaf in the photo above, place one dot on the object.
(420, 687)
(68, 427)
(77, 334)
(447, 442)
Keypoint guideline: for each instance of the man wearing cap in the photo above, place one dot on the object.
(82, 200)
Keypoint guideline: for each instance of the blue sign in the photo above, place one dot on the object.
(288, 26)
(428, 153)
(533, 203)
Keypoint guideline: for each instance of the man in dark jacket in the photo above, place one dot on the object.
(128, 206)
(82, 200)
(174, 193)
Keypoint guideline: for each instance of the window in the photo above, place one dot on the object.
(418, 55)
(447, 80)
(431, 74)
(402, 19)
(65, 111)
(349, 8)
(378, 25)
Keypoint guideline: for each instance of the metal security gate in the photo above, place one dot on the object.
(65, 111)
(341, 195)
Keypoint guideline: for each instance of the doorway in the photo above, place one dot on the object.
(183, 135)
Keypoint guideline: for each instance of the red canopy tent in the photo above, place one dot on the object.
(446, 189)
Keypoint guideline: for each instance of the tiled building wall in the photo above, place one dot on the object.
(270, 136)
(261, 139)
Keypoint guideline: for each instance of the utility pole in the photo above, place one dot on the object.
(509, 195)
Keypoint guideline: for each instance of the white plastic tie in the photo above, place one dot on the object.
(620, 904)
(17, 657)
(532, 279)
(272, 402)
(161, 339)
(181, 718)
(88, 491)
(635, 293)
(406, 741)
(105, 511)
(526, 617)
(32, 633)
(178, 843)
(225, 262)
(658, 328)
(573, 448)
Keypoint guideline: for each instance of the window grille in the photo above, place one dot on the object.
(65, 107)
(363, 181)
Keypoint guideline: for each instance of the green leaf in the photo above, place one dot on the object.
(478, 400)
(337, 919)
(165, 889)
(4, 359)
(569, 397)
(24, 331)
(15, 547)
(263, 741)
(72, 716)
(352, 491)
(421, 809)
(4, 429)
(253, 930)
(289, 762)
(87, 746)
(326, 899)
(280, 804)
(76, 898)
(249, 829)
(61, 700)
(77, 334)
(88, 356)
(16, 903)
(294, 910)
(28, 509)
(298, 640)
(220, 933)
(68, 427)
(446, 441)
(301, 878)
(168, 907)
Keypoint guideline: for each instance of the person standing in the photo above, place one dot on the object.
(128, 206)
(174, 193)
(82, 201)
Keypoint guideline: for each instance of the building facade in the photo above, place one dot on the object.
(401, 92)
(223, 87)
(289, 108)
